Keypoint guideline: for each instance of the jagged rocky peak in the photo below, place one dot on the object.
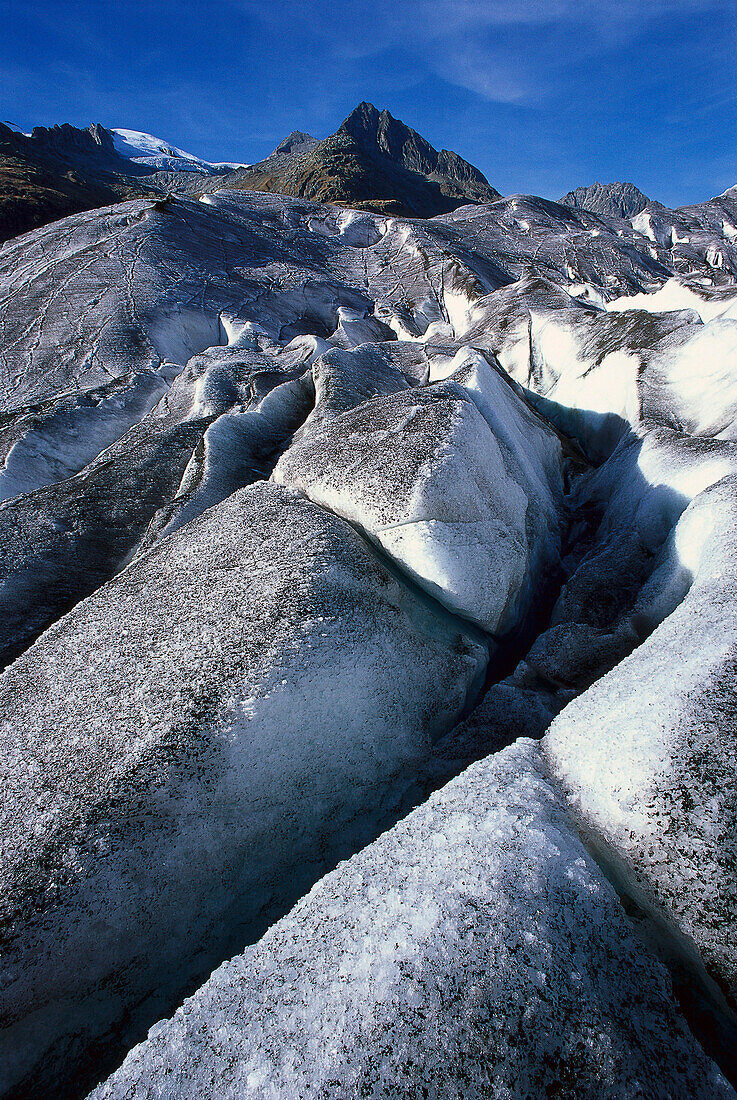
(67, 139)
(375, 130)
(296, 142)
(614, 200)
(373, 162)
(101, 135)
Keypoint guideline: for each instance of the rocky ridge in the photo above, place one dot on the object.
(614, 200)
(372, 162)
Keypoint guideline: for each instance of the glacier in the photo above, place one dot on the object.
(441, 958)
(368, 705)
(154, 153)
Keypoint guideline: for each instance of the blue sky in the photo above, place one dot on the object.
(542, 95)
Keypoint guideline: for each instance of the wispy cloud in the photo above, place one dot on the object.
(514, 50)
(502, 50)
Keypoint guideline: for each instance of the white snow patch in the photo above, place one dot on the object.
(146, 149)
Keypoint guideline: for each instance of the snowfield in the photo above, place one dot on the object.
(145, 149)
(367, 721)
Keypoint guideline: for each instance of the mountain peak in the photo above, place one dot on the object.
(367, 125)
(373, 161)
(363, 118)
(296, 142)
(378, 131)
(616, 200)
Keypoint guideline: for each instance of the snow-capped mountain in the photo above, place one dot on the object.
(369, 639)
(155, 153)
(59, 170)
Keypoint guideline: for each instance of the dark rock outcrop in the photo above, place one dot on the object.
(61, 170)
(613, 200)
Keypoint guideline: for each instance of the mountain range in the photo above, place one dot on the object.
(372, 162)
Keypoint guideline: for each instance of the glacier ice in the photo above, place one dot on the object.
(308, 513)
(648, 753)
(240, 706)
(473, 950)
(445, 490)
